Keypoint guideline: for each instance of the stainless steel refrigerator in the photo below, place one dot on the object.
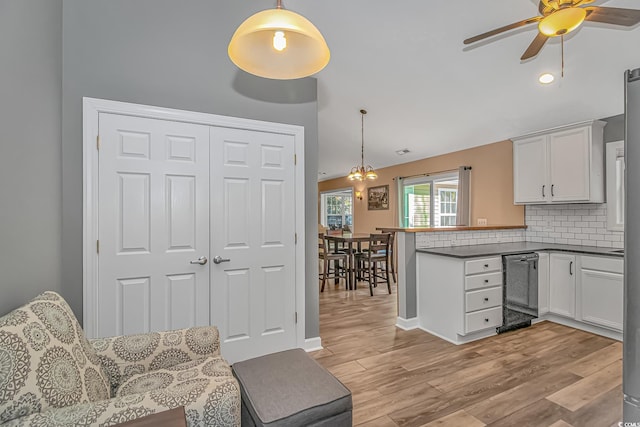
(631, 358)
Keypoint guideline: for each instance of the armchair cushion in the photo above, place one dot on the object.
(45, 360)
(125, 356)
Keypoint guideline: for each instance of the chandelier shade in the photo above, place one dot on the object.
(278, 44)
(360, 173)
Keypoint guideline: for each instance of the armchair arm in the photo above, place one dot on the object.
(215, 402)
(124, 356)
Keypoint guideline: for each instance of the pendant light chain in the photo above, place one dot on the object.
(562, 53)
(362, 113)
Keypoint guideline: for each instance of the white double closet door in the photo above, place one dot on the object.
(196, 226)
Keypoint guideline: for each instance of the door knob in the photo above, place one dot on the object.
(218, 259)
(202, 260)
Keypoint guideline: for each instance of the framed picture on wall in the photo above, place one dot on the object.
(378, 198)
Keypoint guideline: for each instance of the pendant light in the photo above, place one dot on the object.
(278, 44)
(361, 173)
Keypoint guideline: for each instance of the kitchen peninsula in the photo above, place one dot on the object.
(450, 281)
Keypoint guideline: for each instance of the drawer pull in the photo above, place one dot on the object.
(486, 320)
(486, 299)
(486, 266)
(486, 280)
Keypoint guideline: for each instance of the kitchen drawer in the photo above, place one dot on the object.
(484, 265)
(483, 319)
(603, 263)
(484, 298)
(483, 281)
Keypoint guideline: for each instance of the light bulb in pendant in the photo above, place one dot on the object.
(279, 41)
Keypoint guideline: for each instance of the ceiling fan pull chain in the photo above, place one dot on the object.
(562, 50)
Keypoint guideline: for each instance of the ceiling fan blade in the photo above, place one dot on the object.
(502, 29)
(535, 46)
(613, 15)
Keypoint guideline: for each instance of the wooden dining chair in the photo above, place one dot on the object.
(374, 263)
(339, 259)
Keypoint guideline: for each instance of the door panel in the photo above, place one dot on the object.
(252, 208)
(530, 170)
(569, 167)
(153, 220)
(562, 285)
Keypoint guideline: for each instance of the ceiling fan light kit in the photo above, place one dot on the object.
(562, 21)
(278, 44)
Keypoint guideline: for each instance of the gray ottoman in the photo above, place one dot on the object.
(291, 389)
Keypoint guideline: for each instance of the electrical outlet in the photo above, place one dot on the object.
(482, 221)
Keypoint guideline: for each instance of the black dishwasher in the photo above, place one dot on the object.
(520, 291)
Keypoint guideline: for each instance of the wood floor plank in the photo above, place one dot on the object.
(518, 397)
(460, 418)
(582, 392)
(384, 421)
(498, 381)
(598, 360)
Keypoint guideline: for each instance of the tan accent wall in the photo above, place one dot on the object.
(491, 186)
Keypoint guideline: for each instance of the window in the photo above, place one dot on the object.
(429, 201)
(448, 203)
(337, 209)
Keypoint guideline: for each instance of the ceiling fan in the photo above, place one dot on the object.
(560, 17)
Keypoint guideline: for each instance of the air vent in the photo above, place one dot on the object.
(402, 152)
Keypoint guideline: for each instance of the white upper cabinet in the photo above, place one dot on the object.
(561, 165)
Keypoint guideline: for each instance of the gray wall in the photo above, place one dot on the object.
(614, 130)
(172, 54)
(30, 139)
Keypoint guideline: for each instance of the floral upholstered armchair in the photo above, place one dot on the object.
(51, 375)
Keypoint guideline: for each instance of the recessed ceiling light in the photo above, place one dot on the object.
(546, 78)
(402, 152)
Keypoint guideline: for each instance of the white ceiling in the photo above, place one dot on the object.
(404, 61)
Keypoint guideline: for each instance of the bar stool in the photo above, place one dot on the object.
(374, 263)
(337, 271)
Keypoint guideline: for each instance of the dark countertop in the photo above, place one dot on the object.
(474, 251)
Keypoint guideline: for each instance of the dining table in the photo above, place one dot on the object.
(348, 239)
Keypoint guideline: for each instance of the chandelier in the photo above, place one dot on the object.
(278, 44)
(361, 173)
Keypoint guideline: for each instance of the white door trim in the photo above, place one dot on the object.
(91, 109)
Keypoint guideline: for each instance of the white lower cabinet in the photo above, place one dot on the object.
(543, 283)
(459, 300)
(562, 284)
(602, 292)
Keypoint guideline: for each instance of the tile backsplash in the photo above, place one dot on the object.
(575, 224)
(443, 239)
(584, 224)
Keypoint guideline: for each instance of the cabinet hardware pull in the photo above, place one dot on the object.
(486, 266)
(486, 299)
(486, 320)
(543, 191)
(486, 280)
(571, 268)
(552, 185)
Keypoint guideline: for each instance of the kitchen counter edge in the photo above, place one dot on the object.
(475, 251)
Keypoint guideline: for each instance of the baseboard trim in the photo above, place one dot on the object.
(313, 344)
(407, 324)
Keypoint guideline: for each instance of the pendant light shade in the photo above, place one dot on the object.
(279, 44)
(360, 173)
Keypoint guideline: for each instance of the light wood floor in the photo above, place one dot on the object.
(545, 375)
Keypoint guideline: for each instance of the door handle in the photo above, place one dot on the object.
(552, 185)
(202, 260)
(571, 268)
(218, 259)
(543, 191)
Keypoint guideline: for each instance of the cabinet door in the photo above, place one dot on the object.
(569, 164)
(562, 284)
(530, 170)
(601, 298)
(543, 283)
